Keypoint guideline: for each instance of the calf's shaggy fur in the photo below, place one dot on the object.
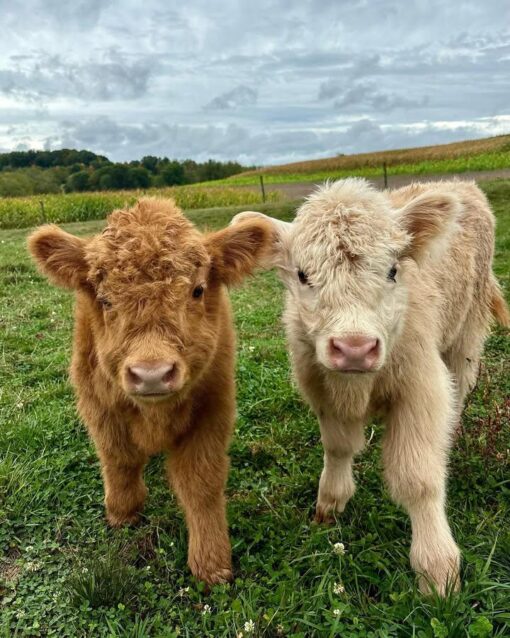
(151, 292)
(409, 273)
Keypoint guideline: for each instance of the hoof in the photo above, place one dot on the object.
(122, 520)
(324, 517)
(439, 573)
(219, 576)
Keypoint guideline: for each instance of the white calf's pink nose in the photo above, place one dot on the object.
(355, 353)
(151, 377)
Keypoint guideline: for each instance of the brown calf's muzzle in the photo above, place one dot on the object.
(154, 379)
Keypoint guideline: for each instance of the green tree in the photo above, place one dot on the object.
(150, 163)
(138, 177)
(79, 181)
(172, 174)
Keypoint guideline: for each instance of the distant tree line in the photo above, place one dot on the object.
(69, 170)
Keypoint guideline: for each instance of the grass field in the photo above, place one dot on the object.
(22, 212)
(64, 573)
(474, 155)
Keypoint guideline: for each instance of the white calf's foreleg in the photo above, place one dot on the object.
(415, 456)
(341, 441)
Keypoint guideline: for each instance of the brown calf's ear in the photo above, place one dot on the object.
(59, 255)
(237, 250)
(429, 219)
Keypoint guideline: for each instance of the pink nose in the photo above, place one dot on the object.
(152, 377)
(355, 353)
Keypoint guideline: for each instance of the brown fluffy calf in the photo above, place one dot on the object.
(153, 357)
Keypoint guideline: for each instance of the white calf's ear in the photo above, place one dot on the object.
(429, 219)
(239, 249)
(278, 256)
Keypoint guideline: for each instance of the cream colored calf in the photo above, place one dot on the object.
(389, 300)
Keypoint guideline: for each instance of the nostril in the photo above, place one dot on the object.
(133, 377)
(336, 344)
(170, 374)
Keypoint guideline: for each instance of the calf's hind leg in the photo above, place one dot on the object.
(415, 453)
(463, 357)
(341, 441)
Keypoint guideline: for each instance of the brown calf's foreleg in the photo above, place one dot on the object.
(415, 455)
(124, 489)
(198, 469)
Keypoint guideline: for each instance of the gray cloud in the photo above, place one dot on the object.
(180, 80)
(366, 95)
(52, 14)
(239, 96)
(112, 78)
(125, 141)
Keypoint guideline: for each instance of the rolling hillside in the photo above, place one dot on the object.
(472, 155)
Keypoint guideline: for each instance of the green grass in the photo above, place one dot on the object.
(64, 573)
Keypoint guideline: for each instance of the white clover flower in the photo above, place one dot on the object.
(183, 591)
(84, 570)
(249, 626)
(206, 610)
(339, 549)
(337, 613)
(33, 566)
(280, 629)
(338, 588)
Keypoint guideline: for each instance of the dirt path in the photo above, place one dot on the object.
(295, 190)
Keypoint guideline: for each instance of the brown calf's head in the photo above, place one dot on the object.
(344, 260)
(152, 284)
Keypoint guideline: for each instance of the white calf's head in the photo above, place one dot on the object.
(344, 260)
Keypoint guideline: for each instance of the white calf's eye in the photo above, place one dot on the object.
(302, 277)
(392, 273)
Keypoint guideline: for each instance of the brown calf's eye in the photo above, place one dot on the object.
(198, 292)
(392, 273)
(302, 277)
(105, 303)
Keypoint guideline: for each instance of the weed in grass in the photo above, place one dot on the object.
(102, 581)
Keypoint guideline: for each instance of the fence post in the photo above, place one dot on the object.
(262, 188)
(385, 175)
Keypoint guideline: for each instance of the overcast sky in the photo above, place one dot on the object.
(257, 81)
